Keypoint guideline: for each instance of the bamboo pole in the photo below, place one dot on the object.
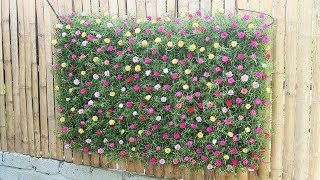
(217, 4)
(315, 102)
(151, 7)
(8, 74)
(161, 8)
(187, 174)
(219, 175)
(104, 5)
(198, 175)
(86, 6)
(142, 9)
(172, 7)
(130, 164)
(131, 7)
(159, 170)
(149, 170)
(77, 6)
(104, 161)
(86, 159)
(95, 7)
(138, 167)
(113, 7)
(253, 175)
(178, 172)
(122, 164)
(193, 6)
(290, 87)
(301, 130)
(277, 84)
(77, 157)
(3, 133)
(22, 78)
(122, 7)
(30, 50)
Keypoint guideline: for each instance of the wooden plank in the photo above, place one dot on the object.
(187, 174)
(253, 175)
(149, 169)
(172, 7)
(142, 9)
(314, 173)
(104, 162)
(161, 8)
(301, 130)
(68, 7)
(22, 78)
(183, 6)
(193, 6)
(122, 164)
(277, 86)
(220, 175)
(113, 165)
(255, 6)
(205, 5)
(216, 5)
(8, 74)
(113, 7)
(168, 171)
(104, 5)
(290, 86)
(95, 7)
(159, 170)
(3, 131)
(77, 6)
(230, 6)
(151, 8)
(138, 167)
(131, 164)
(86, 159)
(178, 172)
(208, 174)
(42, 82)
(86, 6)
(77, 157)
(122, 7)
(230, 176)
(131, 7)
(95, 160)
(198, 175)
(243, 4)
(242, 175)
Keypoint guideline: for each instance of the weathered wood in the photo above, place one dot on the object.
(183, 7)
(161, 8)
(104, 5)
(95, 160)
(77, 6)
(198, 175)
(122, 7)
(122, 164)
(77, 157)
(208, 174)
(86, 159)
(131, 7)
(205, 5)
(172, 7)
(216, 5)
(230, 6)
(220, 175)
(113, 7)
(142, 9)
(242, 175)
(193, 6)
(95, 7)
(86, 6)
(159, 170)
(168, 171)
(149, 170)
(151, 8)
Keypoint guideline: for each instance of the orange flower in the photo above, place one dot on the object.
(179, 105)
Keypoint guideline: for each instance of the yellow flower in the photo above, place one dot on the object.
(250, 26)
(210, 56)
(128, 33)
(221, 10)
(133, 149)
(210, 85)
(68, 26)
(174, 61)
(81, 131)
(248, 106)
(140, 132)
(183, 15)
(195, 25)
(226, 157)
(157, 40)
(73, 109)
(54, 42)
(200, 135)
(144, 42)
(107, 40)
(268, 90)
(82, 21)
(139, 21)
(180, 43)
(57, 88)
(167, 150)
(230, 134)
(95, 59)
(111, 122)
(213, 119)
(168, 19)
(148, 97)
(62, 119)
(84, 34)
(192, 47)
(267, 48)
(187, 71)
(127, 68)
(216, 45)
(63, 65)
(137, 30)
(98, 21)
(83, 73)
(170, 44)
(234, 43)
(122, 131)
(137, 68)
(106, 13)
(70, 90)
(114, 17)
(120, 43)
(112, 94)
(245, 150)
(95, 118)
(153, 21)
(58, 26)
(247, 129)
(185, 87)
(202, 49)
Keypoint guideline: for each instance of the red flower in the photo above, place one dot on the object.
(268, 56)
(142, 104)
(158, 18)
(169, 33)
(71, 114)
(143, 118)
(110, 110)
(266, 135)
(129, 80)
(263, 150)
(229, 102)
(190, 16)
(255, 155)
(123, 153)
(72, 68)
(191, 110)
(202, 28)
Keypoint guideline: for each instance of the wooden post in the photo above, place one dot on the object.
(142, 9)
(131, 7)
(277, 85)
(113, 7)
(315, 102)
(217, 4)
(193, 6)
(122, 7)
(151, 7)
(301, 154)
(290, 86)
(86, 7)
(161, 8)
(205, 5)
(183, 7)
(104, 5)
(230, 6)
(94, 8)
(243, 175)
(77, 6)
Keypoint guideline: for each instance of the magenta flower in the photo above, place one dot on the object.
(224, 35)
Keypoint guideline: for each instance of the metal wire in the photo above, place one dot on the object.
(273, 20)
(54, 11)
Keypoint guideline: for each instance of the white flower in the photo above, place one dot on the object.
(98, 36)
(255, 85)
(95, 76)
(121, 142)
(96, 94)
(123, 89)
(105, 140)
(157, 87)
(229, 74)
(76, 82)
(148, 72)
(214, 141)
(158, 118)
(67, 146)
(67, 99)
(134, 113)
(84, 43)
(83, 13)
(125, 17)
(109, 25)
(210, 166)
(166, 70)
(80, 111)
(135, 59)
(163, 99)
(230, 92)
(120, 105)
(90, 103)
(264, 65)
(198, 119)
(107, 73)
(63, 34)
(244, 78)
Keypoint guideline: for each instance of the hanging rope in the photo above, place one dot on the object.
(273, 20)
(54, 11)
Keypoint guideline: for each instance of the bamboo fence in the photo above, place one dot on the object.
(27, 85)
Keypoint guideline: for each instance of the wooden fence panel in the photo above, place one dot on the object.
(151, 7)
(161, 8)
(172, 7)
(113, 7)
(131, 6)
(216, 5)
(77, 6)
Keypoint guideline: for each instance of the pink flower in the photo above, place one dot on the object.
(253, 112)
(65, 129)
(177, 147)
(129, 104)
(153, 161)
(175, 161)
(186, 158)
(224, 35)
(238, 100)
(100, 151)
(223, 143)
(158, 148)
(218, 163)
(183, 125)
(217, 28)
(258, 33)
(235, 138)
(240, 68)
(182, 32)
(228, 121)
(176, 136)
(160, 28)
(241, 35)
(204, 158)
(175, 75)
(165, 136)
(209, 147)
(207, 39)
(240, 56)
(189, 143)
(150, 111)
(254, 43)
(99, 50)
(136, 87)
(224, 58)
(246, 17)
(234, 150)
(245, 161)
(217, 153)
(231, 80)
(86, 149)
(259, 130)
(234, 25)
(251, 140)
(90, 37)
(257, 101)
(99, 132)
(155, 127)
